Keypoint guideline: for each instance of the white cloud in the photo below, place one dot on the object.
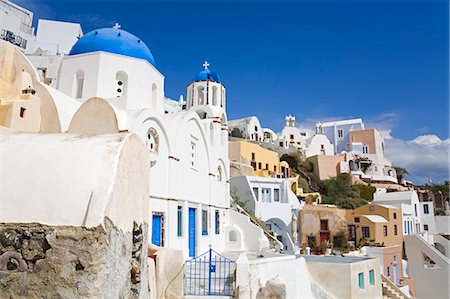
(425, 156)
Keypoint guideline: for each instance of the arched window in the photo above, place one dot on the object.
(214, 96)
(79, 84)
(154, 95)
(201, 95)
(121, 84)
(219, 174)
(152, 141)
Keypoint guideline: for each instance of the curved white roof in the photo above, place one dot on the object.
(376, 218)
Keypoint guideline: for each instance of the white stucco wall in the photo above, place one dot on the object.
(64, 179)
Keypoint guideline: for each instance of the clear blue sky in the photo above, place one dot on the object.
(316, 59)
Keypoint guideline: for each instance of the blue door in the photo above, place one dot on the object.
(191, 232)
(156, 230)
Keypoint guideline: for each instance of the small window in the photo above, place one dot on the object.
(426, 209)
(365, 149)
(259, 165)
(385, 231)
(372, 277)
(256, 193)
(266, 196)
(152, 141)
(267, 166)
(291, 136)
(232, 236)
(395, 229)
(80, 82)
(356, 219)
(425, 227)
(253, 156)
(388, 272)
(340, 133)
(219, 174)
(204, 222)
(395, 215)
(217, 221)
(193, 155)
(180, 221)
(365, 232)
(276, 195)
(22, 112)
(361, 280)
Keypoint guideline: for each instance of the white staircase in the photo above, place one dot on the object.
(390, 290)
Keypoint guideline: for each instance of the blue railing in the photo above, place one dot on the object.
(209, 274)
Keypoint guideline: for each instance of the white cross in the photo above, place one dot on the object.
(117, 26)
(205, 65)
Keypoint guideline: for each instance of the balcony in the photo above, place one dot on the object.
(14, 39)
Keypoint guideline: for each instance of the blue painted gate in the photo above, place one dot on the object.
(156, 230)
(209, 274)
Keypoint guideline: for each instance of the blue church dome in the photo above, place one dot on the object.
(113, 40)
(207, 74)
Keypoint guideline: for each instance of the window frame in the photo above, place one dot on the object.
(179, 221)
(361, 280)
(204, 222)
(372, 277)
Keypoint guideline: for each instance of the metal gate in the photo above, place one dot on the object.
(209, 274)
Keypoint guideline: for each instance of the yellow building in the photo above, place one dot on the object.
(381, 224)
(265, 162)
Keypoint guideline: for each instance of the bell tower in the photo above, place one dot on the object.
(206, 91)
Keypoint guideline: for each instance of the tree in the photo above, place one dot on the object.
(366, 192)
(302, 183)
(401, 173)
(340, 191)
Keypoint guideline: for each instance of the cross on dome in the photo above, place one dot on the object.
(206, 65)
(117, 26)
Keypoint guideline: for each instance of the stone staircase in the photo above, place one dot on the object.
(390, 290)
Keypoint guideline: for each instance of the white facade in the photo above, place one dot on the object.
(189, 207)
(16, 25)
(408, 202)
(273, 202)
(55, 37)
(338, 131)
(318, 145)
(291, 135)
(246, 128)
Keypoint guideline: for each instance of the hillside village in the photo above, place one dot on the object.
(110, 189)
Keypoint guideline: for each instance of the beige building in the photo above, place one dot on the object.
(379, 224)
(325, 167)
(346, 277)
(321, 223)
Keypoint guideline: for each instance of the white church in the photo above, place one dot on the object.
(109, 83)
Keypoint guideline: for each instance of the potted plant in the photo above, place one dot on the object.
(315, 249)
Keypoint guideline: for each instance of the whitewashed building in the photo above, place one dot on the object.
(291, 134)
(273, 202)
(108, 83)
(408, 202)
(16, 25)
(246, 128)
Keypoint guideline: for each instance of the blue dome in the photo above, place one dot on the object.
(113, 40)
(207, 75)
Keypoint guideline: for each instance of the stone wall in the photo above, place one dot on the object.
(40, 261)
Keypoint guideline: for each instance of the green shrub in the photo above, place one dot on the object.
(366, 192)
